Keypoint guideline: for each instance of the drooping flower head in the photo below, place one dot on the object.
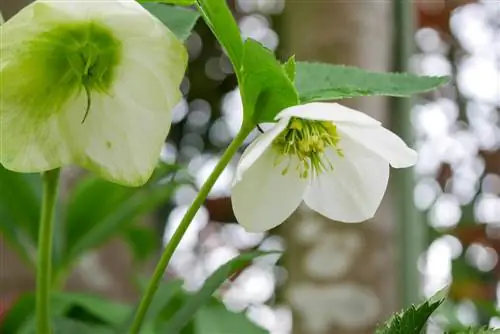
(333, 158)
(86, 82)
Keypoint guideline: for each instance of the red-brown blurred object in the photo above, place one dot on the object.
(436, 13)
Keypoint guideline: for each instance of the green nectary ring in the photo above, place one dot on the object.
(68, 58)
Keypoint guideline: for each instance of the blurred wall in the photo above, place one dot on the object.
(342, 277)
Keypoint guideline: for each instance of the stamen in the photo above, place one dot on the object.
(307, 140)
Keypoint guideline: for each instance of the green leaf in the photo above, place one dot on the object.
(171, 2)
(20, 201)
(223, 25)
(98, 209)
(482, 330)
(64, 326)
(215, 318)
(179, 20)
(164, 303)
(413, 319)
(266, 87)
(104, 311)
(318, 82)
(203, 296)
(290, 68)
(21, 316)
(143, 241)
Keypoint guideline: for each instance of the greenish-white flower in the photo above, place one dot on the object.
(91, 83)
(333, 158)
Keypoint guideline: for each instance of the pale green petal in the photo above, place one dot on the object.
(122, 137)
(133, 87)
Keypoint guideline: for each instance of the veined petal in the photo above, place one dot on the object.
(264, 197)
(257, 148)
(382, 142)
(334, 112)
(352, 192)
(122, 136)
(116, 53)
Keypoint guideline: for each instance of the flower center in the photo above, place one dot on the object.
(65, 60)
(307, 140)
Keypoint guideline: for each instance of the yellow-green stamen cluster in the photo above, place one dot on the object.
(307, 140)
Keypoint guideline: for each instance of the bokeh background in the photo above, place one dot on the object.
(439, 224)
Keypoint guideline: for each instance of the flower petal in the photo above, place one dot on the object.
(258, 147)
(122, 136)
(352, 192)
(264, 198)
(382, 142)
(334, 112)
(130, 113)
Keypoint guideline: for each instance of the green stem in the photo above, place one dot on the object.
(43, 286)
(183, 226)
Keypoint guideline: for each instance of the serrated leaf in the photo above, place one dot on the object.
(319, 82)
(290, 68)
(413, 319)
(266, 87)
(202, 297)
(179, 20)
(223, 25)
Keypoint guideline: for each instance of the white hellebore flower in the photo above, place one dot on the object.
(87, 82)
(333, 158)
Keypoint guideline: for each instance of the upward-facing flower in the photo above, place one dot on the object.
(334, 158)
(86, 82)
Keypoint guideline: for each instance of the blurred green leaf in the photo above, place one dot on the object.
(98, 209)
(106, 311)
(266, 87)
(164, 303)
(21, 316)
(214, 318)
(223, 25)
(413, 319)
(143, 241)
(197, 300)
(66, 326)
(319, 82)
(290, 68)
(171, 2)
(180, 21)
(20, 201)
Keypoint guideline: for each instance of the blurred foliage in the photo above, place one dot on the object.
(94, 212)
(173, 310)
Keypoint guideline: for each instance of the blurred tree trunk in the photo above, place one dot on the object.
(342, 277)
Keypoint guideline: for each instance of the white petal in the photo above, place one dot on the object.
(264, 198)
(382, 142)
(258, 147)
(352, 192)
(121, 138)
(334, 112)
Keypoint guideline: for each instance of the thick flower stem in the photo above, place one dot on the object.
(44, 262)
(183, 226)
